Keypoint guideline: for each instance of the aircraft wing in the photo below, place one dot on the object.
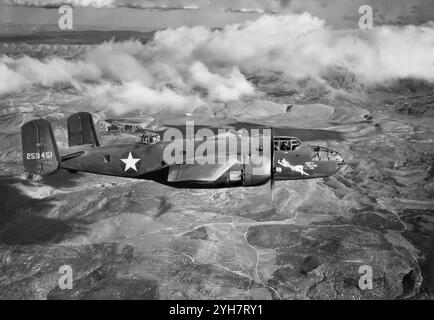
(199, 172)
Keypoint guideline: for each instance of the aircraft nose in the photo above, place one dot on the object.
(327, 154)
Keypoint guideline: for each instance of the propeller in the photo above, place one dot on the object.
(272, 187)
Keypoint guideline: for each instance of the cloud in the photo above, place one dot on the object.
(183, 68)
(233, 86)
(10, 81)
(133, 96)
(303, 46)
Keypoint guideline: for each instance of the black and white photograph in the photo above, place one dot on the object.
(215, 150)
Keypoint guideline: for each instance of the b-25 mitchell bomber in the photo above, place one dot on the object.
(185, 162)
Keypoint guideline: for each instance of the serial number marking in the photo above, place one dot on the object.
(37, 155)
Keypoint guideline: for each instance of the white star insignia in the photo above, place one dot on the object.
(130, 162)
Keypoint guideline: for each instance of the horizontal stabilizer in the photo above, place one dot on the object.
(73, 152)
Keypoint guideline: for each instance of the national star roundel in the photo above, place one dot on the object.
(130, 162)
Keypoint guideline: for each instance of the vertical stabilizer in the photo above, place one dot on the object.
(40, 154)
(81, 130)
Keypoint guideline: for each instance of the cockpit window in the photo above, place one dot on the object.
(286, 143)
(150, 138)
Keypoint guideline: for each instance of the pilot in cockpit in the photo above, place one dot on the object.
(285, 146)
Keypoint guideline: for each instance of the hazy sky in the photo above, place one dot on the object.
(123, 18)
(132, 14)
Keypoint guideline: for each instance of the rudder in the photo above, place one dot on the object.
(40, 153)
(81, 130)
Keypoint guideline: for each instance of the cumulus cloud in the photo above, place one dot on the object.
(221, 88)
(184, 68)
(133, 96)
(10, 81)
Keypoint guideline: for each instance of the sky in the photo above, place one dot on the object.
(122, 18)
(147, 15)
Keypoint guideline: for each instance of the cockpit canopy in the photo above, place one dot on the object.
(150, 138)
(286, 143)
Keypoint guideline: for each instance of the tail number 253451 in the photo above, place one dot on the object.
(37, 155)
